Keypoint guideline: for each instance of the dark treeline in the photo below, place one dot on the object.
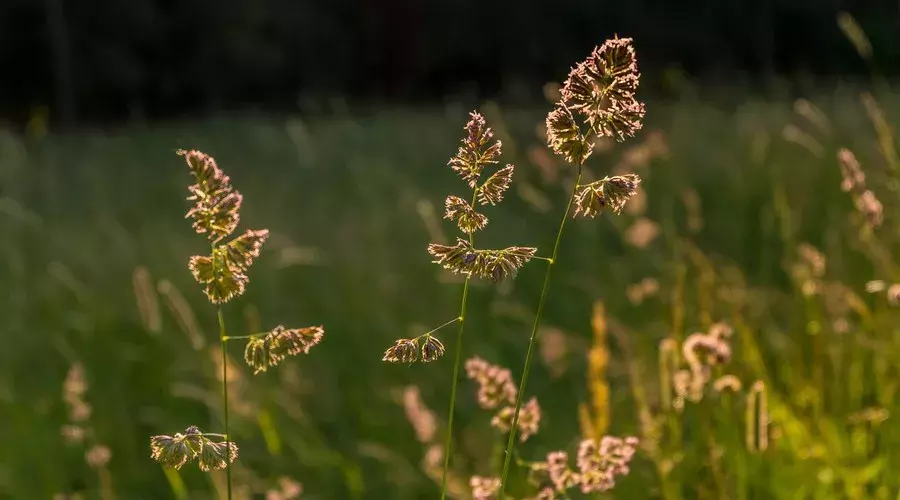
(101, 60)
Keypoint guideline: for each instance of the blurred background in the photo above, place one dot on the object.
(336, 120)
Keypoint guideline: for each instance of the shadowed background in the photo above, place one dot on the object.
(336, 120)
(101, 60)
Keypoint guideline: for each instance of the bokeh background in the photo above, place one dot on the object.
(336, 120)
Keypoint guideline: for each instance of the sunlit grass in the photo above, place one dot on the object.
(79, 214)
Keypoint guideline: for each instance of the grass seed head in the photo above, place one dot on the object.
(240, 252)
(269, 350)
(175, 451)
(216, 208)
(492, 190)
(476, 150)
(565, 138)
(608, 193)
(221, 283)
(601, 89)
(216, 455)
(465, 216)
(495, 265)
(432, 349)
(403, 351)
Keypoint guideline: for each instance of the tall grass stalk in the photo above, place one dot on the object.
(477, 151)
(535, 328)
(596, 101)
(223, 339)
(223, 275)
(456, 364)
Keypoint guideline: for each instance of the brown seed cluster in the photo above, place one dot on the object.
(491, 192)
(175, 451)
(495, 265)
(265, 351)
(408, 350)
(216, 208)
(223, 274)
(216, 212)
(608, 193)
(476, 152)
(565, 138)
(600, 91)
(601, 88)
(459, 210)
(496, 389)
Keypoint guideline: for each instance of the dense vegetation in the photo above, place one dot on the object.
(736, 198)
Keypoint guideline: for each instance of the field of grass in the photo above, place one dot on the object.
(92, 225)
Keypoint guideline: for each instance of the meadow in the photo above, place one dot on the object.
(737, 192)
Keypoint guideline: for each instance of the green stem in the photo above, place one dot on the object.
(429, 332)
(239, 337)
(223, 338)
(534, 334)
(455, 384)
(536, 257)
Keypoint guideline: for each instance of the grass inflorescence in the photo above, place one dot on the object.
(223, 275)
(727, 332)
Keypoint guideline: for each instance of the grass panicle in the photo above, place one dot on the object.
(478, 151)
(215, 211)
(597, 102)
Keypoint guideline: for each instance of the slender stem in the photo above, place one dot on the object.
(239, 337)
(224, 343)
(536, 257)
(455, 384)
(454, 320)
(534, 334)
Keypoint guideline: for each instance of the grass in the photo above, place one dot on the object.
(342, 197)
